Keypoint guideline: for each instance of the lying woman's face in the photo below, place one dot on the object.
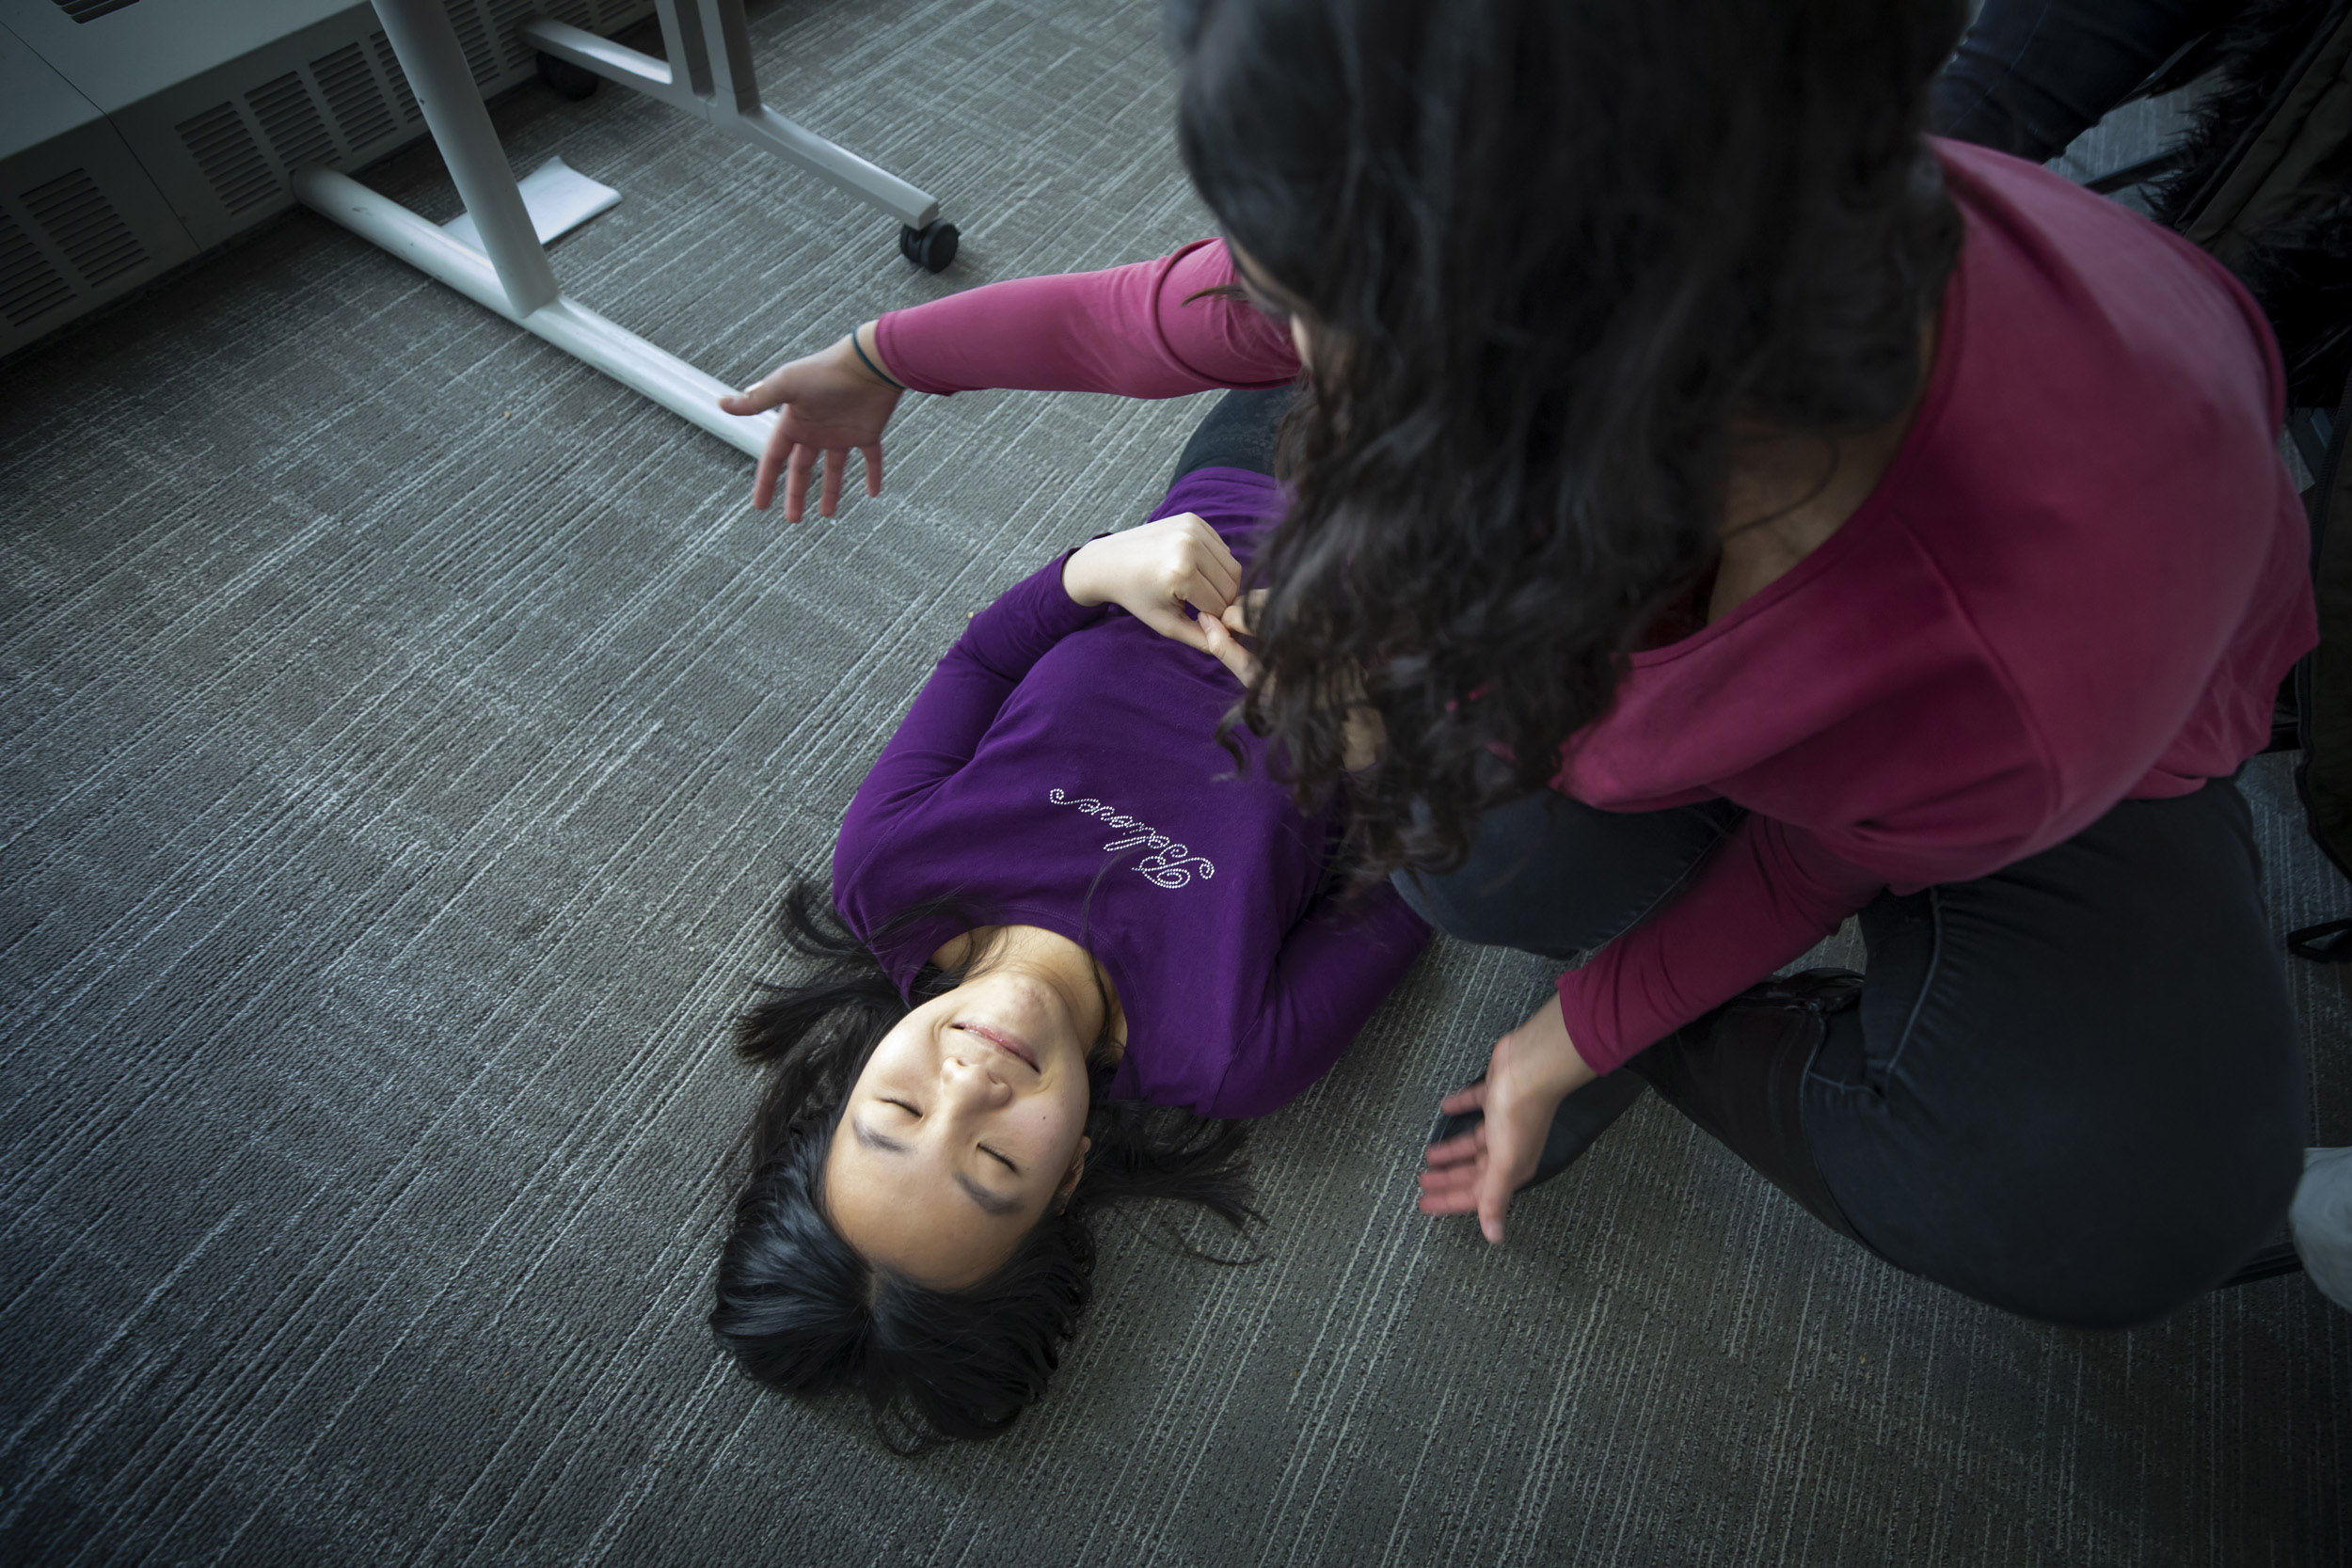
(966, 1124)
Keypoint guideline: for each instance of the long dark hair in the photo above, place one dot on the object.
(804, 1313)
(1558, 257)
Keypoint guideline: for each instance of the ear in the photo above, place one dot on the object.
(1070, 1181)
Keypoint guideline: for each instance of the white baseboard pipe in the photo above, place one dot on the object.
(570, 326)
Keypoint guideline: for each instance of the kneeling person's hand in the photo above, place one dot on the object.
(1533, 1067)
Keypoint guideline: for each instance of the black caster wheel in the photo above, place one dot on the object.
(931, 247)
(566, 80)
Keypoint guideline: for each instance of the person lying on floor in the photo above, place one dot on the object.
(1071, 935)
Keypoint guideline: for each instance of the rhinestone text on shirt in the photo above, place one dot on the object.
(1168, 865)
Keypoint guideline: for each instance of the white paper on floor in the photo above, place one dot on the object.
(558, 197)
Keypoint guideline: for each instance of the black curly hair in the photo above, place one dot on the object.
(804, 1313)
(1558, 258)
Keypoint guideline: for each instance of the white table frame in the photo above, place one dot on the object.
(510, 273)
(720, 89)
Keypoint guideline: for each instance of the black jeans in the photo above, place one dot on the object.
(2031, 75)
(2073, 1089)
(1238, 432)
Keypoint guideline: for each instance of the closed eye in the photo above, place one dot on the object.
(917, 1114)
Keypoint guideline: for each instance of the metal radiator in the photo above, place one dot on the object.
(137, 134)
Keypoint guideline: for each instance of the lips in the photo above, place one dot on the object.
(1010, 1044)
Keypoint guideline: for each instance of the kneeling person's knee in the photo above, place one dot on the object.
(2117, 1254)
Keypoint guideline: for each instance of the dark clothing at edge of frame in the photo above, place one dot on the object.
(2031, 75)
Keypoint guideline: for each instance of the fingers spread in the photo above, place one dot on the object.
(1495, 1184)
(1470, 1098)
(1459, 1150)
(772, 458)
(796, 483)
(757, 397)
(829, 498)
(873, 468)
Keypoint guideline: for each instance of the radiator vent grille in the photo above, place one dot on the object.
(29, 286)
(393, 74)
(291, 122)
(506, 20)
(90, 11)
(84, 224)
(465, 18)
(574, 12)
(224, 150)
(352, 100)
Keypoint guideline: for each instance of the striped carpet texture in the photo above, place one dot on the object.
(404, 733)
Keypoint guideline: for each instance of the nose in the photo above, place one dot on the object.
(967, 1079)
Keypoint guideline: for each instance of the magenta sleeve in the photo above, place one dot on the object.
(1767, 895)
(1135, 330)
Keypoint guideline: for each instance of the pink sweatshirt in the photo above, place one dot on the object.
(2081, 581)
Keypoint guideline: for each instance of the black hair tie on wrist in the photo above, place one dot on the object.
(871, 366)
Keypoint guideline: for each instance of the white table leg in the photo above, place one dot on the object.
(460, 122)
(513, 277)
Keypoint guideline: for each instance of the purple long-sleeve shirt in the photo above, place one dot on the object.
(1060, 770)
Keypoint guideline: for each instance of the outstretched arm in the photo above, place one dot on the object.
(1143, 331)
(1769, 894)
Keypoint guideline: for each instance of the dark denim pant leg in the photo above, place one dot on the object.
(2031, 75)
(1550, 876)
(2074, 1088)
(1547, 875)
(1237, 432)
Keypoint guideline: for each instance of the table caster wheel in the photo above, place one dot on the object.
(931, 247)
(566, 80)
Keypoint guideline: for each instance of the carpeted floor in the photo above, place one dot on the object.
(405, 731)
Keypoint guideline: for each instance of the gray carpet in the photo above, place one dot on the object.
(405, 732)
